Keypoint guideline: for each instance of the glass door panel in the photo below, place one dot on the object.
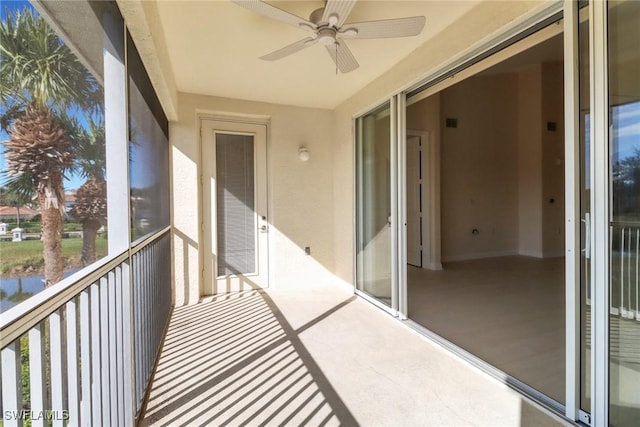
(585, 211)
(624, 168)
(373, 183)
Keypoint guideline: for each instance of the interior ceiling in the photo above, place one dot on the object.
(214, 49)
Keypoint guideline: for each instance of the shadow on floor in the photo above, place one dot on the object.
(236, 361)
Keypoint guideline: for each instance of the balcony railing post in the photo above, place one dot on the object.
(128, 348)
(11, 384)
(56, 357)
(37, 390)
(73, 392)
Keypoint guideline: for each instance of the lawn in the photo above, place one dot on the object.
(27, 255)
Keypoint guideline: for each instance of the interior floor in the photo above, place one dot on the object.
(508, 311)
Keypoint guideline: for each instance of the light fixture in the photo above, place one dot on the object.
(304, 155)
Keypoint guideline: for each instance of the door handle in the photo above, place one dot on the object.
(587, 233)
(264, 229)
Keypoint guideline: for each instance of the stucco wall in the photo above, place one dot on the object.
(301, 203)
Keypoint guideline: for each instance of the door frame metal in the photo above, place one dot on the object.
(598, 63)
(572, 209)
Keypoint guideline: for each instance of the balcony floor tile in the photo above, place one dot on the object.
(318, 357)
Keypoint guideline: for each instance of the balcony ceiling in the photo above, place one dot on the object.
(213, 49)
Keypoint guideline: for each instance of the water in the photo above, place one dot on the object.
(14, 290)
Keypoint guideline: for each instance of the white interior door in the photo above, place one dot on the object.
(414, 205)
(235, 219)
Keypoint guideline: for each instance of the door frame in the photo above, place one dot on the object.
(208, 277)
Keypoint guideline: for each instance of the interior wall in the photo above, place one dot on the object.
(479, 168)
(301, 202)
(529, 161)
(503, 120)
(479, 23)
(553, 219)
(541, 160)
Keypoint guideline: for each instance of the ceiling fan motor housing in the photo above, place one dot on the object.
(327, 36)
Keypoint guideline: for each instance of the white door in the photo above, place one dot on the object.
(235, 220)
(414, 208)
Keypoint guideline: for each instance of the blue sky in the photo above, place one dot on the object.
(74, 181)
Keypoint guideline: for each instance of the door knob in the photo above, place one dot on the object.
(264, 229)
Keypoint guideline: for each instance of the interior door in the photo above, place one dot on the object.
(235, 206)
(414, 201)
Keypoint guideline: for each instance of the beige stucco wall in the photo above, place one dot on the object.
(301, 203)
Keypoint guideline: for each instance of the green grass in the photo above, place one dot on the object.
(28, 253)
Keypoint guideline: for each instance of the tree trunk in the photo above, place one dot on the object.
(52, 241)
(89, 231)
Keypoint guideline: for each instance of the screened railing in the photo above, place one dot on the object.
(625, 271)
(82, 351)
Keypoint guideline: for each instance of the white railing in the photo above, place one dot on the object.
(85, 348)
(625, 271)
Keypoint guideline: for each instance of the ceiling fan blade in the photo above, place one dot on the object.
(400, 27)
(273, 12)
(339, 8)
(288, 50)
(342, 56)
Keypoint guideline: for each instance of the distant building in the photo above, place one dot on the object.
(11, 212)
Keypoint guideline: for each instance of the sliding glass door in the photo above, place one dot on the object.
(374, 205)
(610, 371)
(602, 212)
(623, 38)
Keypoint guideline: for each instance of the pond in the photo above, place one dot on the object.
(17, 289)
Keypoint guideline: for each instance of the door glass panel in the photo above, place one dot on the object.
(585, 214)
(624, 146)
(374, 204)
(235, 204)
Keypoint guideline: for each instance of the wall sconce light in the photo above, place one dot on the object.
(304, 155)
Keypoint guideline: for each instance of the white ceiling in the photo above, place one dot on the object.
(214, 48)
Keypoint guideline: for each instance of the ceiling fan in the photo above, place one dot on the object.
(330, 30)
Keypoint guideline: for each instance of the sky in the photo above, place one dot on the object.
(74, 180)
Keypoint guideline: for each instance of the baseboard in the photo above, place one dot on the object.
(436, 266)
(539, 254)
(478, 255)
(532, 254)
(557, 254)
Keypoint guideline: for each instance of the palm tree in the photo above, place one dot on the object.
(41, 81)
(90, 207)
